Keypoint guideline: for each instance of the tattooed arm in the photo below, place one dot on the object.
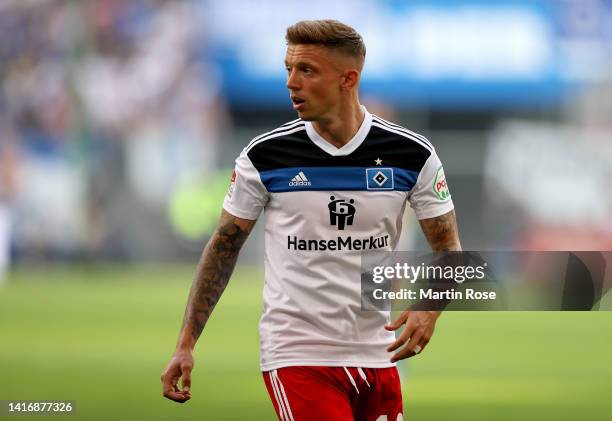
(214, 270)
(442, 234)
(213, 273)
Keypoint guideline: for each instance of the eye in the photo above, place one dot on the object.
(307, 70)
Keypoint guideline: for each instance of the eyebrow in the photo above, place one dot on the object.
(300, 63)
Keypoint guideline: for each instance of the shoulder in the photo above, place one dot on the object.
(401, 135)
(281, 147)
(283, 131)
(400, 147)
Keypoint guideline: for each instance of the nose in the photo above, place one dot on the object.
(292, 81)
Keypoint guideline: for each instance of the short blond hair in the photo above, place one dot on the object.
(329, 33)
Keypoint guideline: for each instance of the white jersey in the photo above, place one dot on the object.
(323, 207)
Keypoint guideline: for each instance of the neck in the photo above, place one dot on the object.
(342, 126)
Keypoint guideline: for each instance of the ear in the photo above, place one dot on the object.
(350, 79)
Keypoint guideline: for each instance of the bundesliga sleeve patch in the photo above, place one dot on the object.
(440, 187)
(230, 191)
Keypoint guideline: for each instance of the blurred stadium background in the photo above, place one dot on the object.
(119, 124)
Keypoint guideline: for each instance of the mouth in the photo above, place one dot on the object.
(297, 102)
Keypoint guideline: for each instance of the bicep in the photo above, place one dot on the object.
(442, 232)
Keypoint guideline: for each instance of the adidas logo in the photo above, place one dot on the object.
(299, 180)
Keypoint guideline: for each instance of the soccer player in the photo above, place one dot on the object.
(332, 184)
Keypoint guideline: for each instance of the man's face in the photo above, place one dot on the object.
(314, 77)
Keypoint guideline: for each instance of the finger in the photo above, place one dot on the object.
(186, 378)
(423, 344)
(398, 322)
(402, 338)
(171, 392)
(177, 395)
(410, 350)
(180, 397)
(404, 353)
(181, 392)
(416, 339)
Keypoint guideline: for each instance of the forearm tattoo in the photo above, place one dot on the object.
(441, 232)
(214, 270)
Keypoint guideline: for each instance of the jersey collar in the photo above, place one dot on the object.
(350, 146)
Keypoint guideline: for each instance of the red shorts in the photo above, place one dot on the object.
(335, 393)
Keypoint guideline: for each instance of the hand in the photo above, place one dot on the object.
(179, 366)
(419, 326)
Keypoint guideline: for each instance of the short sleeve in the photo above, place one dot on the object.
(430, 196)
(247, 195)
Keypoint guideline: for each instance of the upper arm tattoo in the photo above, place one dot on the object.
(441, 232)
(214, 270)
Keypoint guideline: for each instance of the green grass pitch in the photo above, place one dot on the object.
(102, 336)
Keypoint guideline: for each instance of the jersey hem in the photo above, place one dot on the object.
(326, 363)
(239, 213)
(441, 210)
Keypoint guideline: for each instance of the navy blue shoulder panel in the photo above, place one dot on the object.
(386, 160)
